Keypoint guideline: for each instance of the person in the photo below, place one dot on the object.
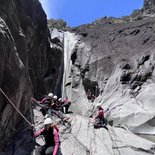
(100, 120)
(45, 103)
(44, 100)
(47, 100)
(51, 137)
(65, 104)
(55, 104)
(54, 109)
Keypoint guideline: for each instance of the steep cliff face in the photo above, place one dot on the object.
(15, 83)
(114, 58)
(28, 64)
(149, 6)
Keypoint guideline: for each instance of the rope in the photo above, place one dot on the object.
(16, 108)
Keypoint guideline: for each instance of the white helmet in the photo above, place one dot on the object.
(47, 121)
(50, 95)
(60, 99)
(98, 105)
(55, 97)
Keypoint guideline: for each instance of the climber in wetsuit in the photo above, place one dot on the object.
(45, 103)
(100, 120)
(51, 137)
(65, 104)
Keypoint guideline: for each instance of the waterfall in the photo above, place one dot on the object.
(70, 41)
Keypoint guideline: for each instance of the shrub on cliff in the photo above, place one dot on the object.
(59, 24)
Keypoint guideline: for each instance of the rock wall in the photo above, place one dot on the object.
(114, 58)
(29, 65)
(149, 6)
(83, 139)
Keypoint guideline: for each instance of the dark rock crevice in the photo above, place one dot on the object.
(92, 86)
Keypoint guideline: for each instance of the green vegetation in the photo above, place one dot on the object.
(58, 24)
(137, 15)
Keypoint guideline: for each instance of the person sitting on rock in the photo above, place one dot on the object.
(55, 104)
(45, 103)
(65, 104)
(48, 98)
(51, 136)
(61, 103)
(100, 121)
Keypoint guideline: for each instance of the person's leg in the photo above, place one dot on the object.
(105, 121)
(64, 109)
(96, 125)
(61, 109)
(58, 113)
(104, 126)
(49, 112)
(40, 150)
(43, 111)
(49, 150)
(67, 106)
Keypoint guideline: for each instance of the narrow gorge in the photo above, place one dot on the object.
(114, 58)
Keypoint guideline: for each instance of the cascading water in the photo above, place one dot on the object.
(70, 41)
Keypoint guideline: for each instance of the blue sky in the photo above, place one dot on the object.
(77, 12)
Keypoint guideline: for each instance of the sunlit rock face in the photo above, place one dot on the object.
(149, 6)
(79, 137)
(114, 58)
(82, 138)
(28, 66)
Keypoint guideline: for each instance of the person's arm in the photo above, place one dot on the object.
(65, 103)
(52, 104)
(36, 134)
(42, 101)
(56, 141)
(100, 113)
(34, 100)
(39, 102)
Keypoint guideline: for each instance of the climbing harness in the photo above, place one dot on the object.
(16, 108)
